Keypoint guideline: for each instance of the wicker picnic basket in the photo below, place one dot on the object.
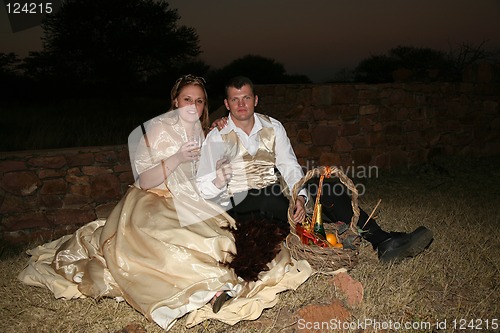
(325, 259)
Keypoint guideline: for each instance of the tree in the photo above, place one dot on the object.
(260, 70)
(419, 64)
(8, 63)
(468, 54)
(376, 69)
(158, 84)
(12, 84)
(420, 61)
(113, 43)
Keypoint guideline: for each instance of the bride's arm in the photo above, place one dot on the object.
(158, 174)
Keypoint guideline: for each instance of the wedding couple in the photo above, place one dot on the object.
(172, 245)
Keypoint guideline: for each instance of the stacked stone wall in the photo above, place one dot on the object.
(387, 125)
(49, 193)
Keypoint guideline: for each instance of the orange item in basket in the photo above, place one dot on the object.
(331, 238)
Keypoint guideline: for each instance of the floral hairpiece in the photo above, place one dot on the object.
(190, 78)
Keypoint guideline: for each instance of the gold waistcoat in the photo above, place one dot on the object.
(252, 171)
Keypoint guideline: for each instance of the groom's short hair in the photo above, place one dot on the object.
(238, 82)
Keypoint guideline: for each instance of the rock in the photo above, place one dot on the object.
(350, 288)
(322, 318)
(132, 328)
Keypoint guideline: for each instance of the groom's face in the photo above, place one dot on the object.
(241, 102)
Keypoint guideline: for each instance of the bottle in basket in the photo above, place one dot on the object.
(318, 223)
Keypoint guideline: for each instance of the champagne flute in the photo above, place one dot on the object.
(230, 154)
(196, 138)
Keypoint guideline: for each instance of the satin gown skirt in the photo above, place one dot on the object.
(165, 257)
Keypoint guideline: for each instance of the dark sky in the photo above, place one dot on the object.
(317, 37)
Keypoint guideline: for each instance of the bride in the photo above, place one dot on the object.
(163, 249)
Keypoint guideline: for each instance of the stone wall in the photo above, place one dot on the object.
(46, 194)
(387, 125)
(49, 193)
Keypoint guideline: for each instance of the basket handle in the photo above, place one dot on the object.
(322, 172)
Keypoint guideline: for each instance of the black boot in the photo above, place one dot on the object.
(401, 245)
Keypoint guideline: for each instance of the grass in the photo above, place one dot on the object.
(456, 278)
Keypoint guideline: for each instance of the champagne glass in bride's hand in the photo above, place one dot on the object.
(196, 141)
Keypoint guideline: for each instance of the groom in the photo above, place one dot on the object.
(238, 166)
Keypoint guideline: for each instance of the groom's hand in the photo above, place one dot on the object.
(299, 213)
(224, 172)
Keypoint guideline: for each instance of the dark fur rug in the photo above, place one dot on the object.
(258, 240)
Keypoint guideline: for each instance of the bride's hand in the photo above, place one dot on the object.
(188, 152)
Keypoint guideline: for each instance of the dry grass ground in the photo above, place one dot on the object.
(456, 278)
